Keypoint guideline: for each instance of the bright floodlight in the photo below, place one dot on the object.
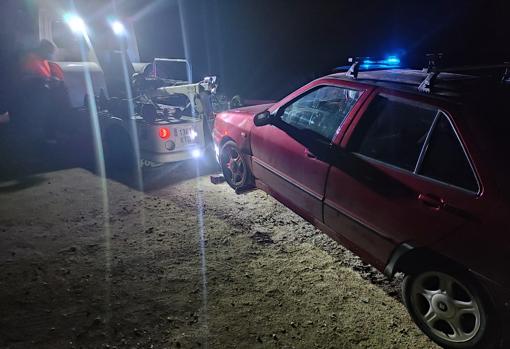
(76, 24)
(196, 153)
(118, 28)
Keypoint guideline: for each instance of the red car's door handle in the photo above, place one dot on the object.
(310, 154)
(431, 201)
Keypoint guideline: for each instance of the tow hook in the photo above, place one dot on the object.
(217, 179)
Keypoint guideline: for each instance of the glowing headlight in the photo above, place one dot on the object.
(196, 153)
(76, 23)
(118, 28)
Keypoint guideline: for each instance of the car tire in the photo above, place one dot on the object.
(450, 308)
(234, 167)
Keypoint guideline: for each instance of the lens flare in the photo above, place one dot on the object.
(75, 23)
(118, 28)
(196, 153)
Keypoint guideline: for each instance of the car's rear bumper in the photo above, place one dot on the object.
(173, 156)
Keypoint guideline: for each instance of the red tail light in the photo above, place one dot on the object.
(164, 133)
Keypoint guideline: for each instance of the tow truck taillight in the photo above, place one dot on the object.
(164, 133)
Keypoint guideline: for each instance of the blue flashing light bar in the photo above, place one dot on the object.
(390, 60)
(393, 60)
(371, 63)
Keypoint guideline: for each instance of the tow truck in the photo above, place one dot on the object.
(148, 113)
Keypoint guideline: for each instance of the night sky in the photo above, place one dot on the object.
(267, 48)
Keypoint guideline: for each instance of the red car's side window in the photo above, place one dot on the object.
(322, 110)
(445, 159)
(414, 137)
(393, 131)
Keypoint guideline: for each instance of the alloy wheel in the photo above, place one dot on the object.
(234, 165)
(446, 306)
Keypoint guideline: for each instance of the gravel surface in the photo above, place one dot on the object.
(186, 264)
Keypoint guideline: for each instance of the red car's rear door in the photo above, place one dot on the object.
(404, 177)
(293, 173)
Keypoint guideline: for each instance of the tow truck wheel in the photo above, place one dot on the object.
(234, 168)
(450, 308)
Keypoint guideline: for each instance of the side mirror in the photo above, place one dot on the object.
(262, 119)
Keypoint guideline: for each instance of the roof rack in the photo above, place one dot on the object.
(433, 70)
(506, 75)
(354, 68)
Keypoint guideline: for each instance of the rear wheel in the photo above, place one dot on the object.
(450, 308)
(233, 166)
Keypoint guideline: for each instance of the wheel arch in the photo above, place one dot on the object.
(408, 259)
(225, 139)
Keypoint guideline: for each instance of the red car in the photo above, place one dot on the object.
(407, 169)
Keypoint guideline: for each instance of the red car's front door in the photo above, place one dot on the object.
(293, 173)
(404, 177)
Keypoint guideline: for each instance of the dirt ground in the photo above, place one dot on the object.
(87, 263)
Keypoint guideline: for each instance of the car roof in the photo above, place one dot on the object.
(449, 85)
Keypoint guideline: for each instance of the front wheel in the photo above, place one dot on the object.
(233, 166)
(450, 308)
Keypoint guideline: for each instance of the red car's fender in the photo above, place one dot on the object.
(236, 125)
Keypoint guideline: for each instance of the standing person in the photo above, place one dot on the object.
(42, 82)
(36, 63)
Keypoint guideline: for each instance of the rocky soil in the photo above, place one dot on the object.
(92, 263)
